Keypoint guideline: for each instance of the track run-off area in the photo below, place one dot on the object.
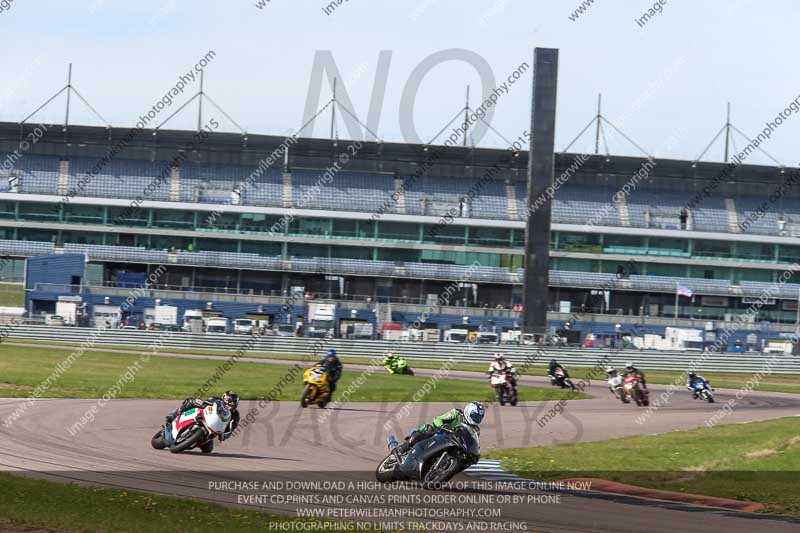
(306, 461)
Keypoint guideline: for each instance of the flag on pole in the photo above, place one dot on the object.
(683, 290)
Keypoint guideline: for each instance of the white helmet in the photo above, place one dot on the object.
(474, 412)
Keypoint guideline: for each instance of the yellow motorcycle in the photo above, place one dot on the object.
(317, 389)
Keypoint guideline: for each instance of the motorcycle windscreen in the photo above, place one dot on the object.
(469, 439)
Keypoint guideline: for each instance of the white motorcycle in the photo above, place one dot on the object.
(616, 387)
(194, 428)
(506, 393)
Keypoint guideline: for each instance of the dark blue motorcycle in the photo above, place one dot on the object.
(434, 460)
(702, 390)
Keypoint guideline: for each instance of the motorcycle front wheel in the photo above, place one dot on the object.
(157, 441)
(500, 398)
(445, 467)
(307, 397)
(385, 471)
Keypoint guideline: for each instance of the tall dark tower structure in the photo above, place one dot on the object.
(540, 175)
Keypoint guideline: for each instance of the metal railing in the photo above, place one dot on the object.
(228, 345)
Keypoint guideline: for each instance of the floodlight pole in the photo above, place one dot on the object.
(597, 126)
(333, 109)
(200, 104)
(727, 132)
(69, 93)
(466, 119)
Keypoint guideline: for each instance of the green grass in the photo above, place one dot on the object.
(69, 507)
(724, 380)
(12, 295)
(23, 369)
(752, 462)
(415, 363)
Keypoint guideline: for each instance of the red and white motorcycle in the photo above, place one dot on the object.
(194, 428)
(635, 390)
(506, 392)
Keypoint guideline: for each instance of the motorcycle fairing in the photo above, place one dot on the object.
(421, 452)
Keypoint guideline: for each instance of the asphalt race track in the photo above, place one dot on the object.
(287, 444)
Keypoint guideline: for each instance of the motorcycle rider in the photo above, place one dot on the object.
(611, 373)
(554, 365)
(695, 379)
(500, 366)
(333, 366)
(390, 361)
(231, 401)
(631, 370)
(472, 415)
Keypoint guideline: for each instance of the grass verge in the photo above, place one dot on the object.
(12, 295)
(758, 462)
(93, 373)
(76, 508)
(725, 380)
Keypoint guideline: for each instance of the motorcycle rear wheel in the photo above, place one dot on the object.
(409, 372)
(323, 398)
(189, 441)
(637, 397)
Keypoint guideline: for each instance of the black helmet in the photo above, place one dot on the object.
(231, 399)
(692, 375)
(553, 362)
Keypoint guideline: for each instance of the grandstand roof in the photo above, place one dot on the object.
(386, 157)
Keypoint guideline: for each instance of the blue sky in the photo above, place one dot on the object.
(668, 80)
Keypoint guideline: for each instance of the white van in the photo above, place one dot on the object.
(218, 325)
(243, 326)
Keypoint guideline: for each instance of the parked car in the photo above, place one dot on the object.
(54, 320)
(243, 326)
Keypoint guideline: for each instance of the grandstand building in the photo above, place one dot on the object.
(261, 217)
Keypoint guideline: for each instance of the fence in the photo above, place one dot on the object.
(429, 351)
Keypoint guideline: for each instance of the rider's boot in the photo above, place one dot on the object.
(403, 447)
(170, 417)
